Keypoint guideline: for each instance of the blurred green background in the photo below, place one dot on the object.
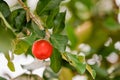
(94, 30)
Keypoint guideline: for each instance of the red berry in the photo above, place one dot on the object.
(42, 49)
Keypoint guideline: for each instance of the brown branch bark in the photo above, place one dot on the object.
(34, 18)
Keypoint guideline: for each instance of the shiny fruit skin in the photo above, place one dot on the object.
(42, 49)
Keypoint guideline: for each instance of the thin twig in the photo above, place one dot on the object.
(34, 18)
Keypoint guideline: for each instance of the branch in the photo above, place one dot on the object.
(34, 18)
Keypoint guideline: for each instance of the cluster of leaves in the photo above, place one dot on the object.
(18, 34)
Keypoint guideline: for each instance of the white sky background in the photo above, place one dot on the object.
(18, 60)
(31, 3)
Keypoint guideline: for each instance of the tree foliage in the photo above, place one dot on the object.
(83, 22)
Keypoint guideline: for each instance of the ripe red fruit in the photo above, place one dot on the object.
(42, 49)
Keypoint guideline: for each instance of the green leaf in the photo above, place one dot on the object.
(7, 56)
(40, 33)
(30, 39)
(51, 17)
(91, 71)
(4, 8)
(20, 18)
(59, 41)
(17, 19)
(66, 74)
(56, 60)
(111, 24)
(100, 71)
(11, 66)
(21, 47)
(4, 22)
(59, 23)
(5, 39)
(1, 78)
(6, 35)
(105, 51)
(10, 63)
(71, 36)
(77, 61)
(29, 51)
(44, 6)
